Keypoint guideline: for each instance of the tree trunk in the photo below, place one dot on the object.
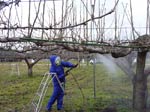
(140, 84)
(30, 72)
(30, 66)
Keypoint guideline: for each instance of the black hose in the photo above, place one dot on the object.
(78, 85)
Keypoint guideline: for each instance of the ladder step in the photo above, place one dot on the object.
(38, 94)
(35, 105)
(43, 83)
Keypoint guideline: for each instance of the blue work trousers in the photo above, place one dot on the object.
(58, 95)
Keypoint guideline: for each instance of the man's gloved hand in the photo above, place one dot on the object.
(66, 73)
(75, 65)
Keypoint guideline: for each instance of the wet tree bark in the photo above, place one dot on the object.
(140, 84)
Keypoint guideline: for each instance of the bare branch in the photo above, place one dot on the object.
(66, 27)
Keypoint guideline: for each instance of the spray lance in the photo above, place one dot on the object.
(67, 72)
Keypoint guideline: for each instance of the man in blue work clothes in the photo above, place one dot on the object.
(57, 67)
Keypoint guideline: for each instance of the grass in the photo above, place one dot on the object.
(112, 89)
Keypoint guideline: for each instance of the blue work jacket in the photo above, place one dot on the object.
(58, 69)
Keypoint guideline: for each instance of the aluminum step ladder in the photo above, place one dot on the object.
(40, 94)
